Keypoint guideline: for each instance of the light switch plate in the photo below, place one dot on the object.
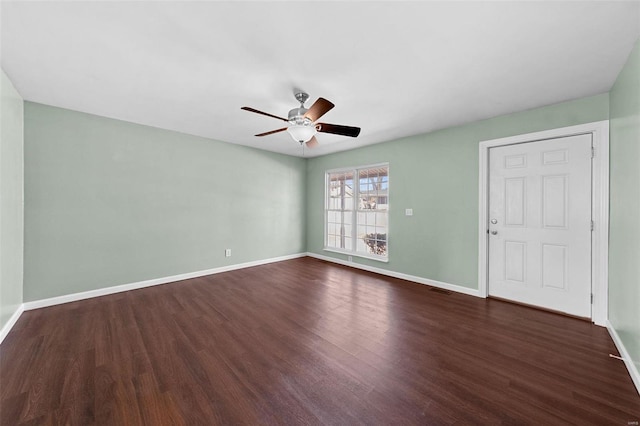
(408, 212)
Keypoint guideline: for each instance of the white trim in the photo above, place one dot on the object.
(600, 215)
(357, 254)
(600, 207)
(626, 358)
(419, 280)
(12, 321)
(36, 304)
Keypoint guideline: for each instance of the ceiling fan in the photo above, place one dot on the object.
(303, 124)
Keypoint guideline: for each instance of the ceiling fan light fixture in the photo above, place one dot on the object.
(301, 133)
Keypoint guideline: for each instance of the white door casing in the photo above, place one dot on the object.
(599, 132)
(540, 223)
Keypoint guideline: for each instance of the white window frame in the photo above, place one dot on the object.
(356, 198)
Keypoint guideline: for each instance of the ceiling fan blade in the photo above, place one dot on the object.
(263, 113)
(338, 129)
(312, 143)
(318, 109)
(272, 132)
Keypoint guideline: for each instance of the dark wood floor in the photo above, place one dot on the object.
(308, 342)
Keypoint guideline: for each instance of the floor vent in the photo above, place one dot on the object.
(440, 290)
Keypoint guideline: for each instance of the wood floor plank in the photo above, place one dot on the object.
(307, 342)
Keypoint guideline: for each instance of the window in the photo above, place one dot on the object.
(356, 211)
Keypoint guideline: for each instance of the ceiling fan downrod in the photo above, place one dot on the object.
(302, 98)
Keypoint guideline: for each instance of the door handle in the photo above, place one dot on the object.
(494, 232)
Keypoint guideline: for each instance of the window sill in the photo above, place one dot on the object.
(351, 253)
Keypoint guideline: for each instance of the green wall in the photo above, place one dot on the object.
(624, 236)
(110, 202)
(11, 199)
(436, 174)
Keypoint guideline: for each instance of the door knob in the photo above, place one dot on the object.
(494, 221)
(494, 232)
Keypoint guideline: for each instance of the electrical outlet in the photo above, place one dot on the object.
(408, 212)
(227, 253)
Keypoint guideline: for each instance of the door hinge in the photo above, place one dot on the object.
(592, 298)
(593, 151)
(592, 225)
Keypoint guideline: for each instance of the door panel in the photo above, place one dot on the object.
(554, 266)
(540, 243)
(515, 255)
(554, 201)
(514, 195)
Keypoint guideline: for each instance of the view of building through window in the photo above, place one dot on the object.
(357, 210)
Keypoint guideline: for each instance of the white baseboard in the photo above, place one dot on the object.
(12, 321)
(628, 361)
(419, 280)
(36, 304)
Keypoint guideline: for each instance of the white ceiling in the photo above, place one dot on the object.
(392, 68)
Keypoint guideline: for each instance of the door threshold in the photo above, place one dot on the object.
(540, 308)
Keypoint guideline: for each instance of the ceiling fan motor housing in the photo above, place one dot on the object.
(296, 116)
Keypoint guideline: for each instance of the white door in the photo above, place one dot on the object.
(540, 223)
